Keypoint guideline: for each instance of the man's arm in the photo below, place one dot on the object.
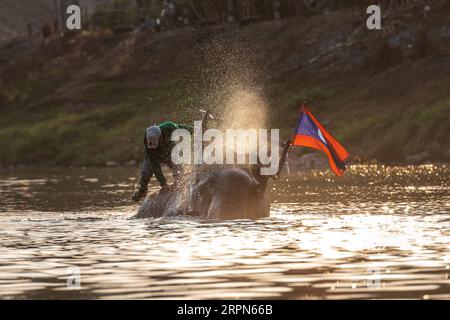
(156, 169)
(188, 128)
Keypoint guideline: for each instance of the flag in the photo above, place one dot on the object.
(310, 133)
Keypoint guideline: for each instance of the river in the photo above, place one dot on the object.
(379, 232)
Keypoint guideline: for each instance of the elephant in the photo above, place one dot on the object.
(219, 193)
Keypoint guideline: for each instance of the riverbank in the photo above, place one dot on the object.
(85, 100)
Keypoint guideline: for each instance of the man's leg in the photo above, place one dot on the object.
(146, 174)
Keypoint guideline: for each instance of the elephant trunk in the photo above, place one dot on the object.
(229, 207)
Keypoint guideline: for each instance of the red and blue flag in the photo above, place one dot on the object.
(310, 133)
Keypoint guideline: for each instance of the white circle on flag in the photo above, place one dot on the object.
(321, 136)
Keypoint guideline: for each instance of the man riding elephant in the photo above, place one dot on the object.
(158, 149)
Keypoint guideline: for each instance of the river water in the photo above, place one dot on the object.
(379, 232)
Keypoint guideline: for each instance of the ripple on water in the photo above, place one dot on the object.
(359, 237)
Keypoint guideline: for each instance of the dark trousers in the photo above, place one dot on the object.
(147, 172)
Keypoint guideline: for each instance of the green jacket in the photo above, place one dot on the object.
(162, 154)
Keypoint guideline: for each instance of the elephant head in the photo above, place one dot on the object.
(231, 193)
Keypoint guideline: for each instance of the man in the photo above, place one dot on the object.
(158, 149)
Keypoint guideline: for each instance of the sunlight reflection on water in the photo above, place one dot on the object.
(380, 232)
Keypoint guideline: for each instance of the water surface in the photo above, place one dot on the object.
(379, 232)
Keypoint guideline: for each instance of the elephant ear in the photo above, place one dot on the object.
(207, 183)
(204, 192)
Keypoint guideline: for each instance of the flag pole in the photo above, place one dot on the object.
(287, 146)
(282, 161)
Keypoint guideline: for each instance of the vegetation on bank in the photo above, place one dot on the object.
(86, 99)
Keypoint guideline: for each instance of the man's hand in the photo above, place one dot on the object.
(206, 115)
